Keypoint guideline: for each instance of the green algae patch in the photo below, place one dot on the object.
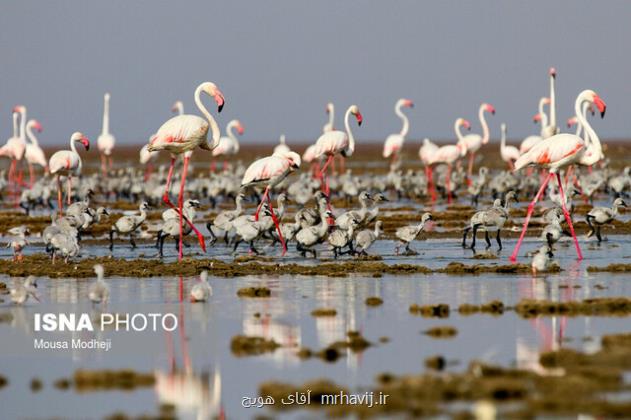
(374, 301)
(439, 310)
(102, 380)
(242, 345)
(440, 332)
(611, 268)
(254, 292)
(609, 306)
(323, 312)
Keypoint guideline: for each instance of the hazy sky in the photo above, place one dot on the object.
(279, 62)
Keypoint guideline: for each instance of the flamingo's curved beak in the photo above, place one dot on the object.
(359, 118)
(536, 118)
(553, 72)
(490, 108)
(601, 105)
(240, 130)
(571, 121)
(466, 124)
(38, 127)
(220, 101)
(409, 104)
(86, 143)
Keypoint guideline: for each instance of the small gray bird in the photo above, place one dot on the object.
(201, 291)
(367, 237)
(407, 234)
(602, 215)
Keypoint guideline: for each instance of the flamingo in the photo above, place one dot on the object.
(551, 129)
(178, 107)
(330, 110)
(475, 141)
(271, 171)
(337, 142)
(68, 163)
(34, 154)
(559, 151)
(182, 134)
(450, 153)
(509, 153)
(106, 141)
(229, 145)
(541, 116)
(394, 142)
(425, 153)
(147, 157)
(281, 147)
(16, 145)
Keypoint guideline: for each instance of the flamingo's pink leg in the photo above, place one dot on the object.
(60, 206)
(31, 175)
(568, 219)
(448, 183)
(280, 235)
(531, 208)
(342, 164)
(470, 168)
(430, 181)
(69, 197)
(183, 218)
(103, 164)
(167, 201)
(260, 206)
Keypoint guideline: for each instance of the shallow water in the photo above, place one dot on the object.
(217, 380)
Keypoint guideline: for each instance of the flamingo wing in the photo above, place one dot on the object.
(393, 144)
(179, 134)
(64, 161)
(331, 142)
(554, 151)
(264, 170)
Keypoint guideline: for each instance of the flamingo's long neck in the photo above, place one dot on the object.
(553, 103)
(404, 118)
(503, 140)
(16, 133)
(485, 126)
(23, 125)
(214, 128)
(229, 129)
(351, 139)
(579, 127)
(180, 108)
(331, 115)
(29, 133)
(239, 207)
(542, 114)
(106, 115)
(593, 150)
(458, 133)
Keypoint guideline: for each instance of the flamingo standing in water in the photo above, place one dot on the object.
(560, 151)
(106, 141)
(270, 171)
(229, 145)
(509, 154)
(147, 157)
(451, 153)
(475, 141)
(11, 148)
(394, 143)
(68, 163)
(337, 142)
(183, 134)
(425, 153)
(551, 129)
(34, 154)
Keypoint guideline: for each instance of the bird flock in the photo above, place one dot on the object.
(552, 166)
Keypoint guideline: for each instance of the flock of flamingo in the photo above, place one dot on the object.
(541, 159)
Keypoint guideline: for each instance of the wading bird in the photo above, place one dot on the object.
(106, 141)
(68, 163)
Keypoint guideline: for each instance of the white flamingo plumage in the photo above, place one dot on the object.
(229, 145)
(427, 149)
(34, 154)
(68, 163)
(336, 142)
(541, 116)
(183, 134)
(394, 142)
(330, 110)
(475, 141)
(509, 154)
(562, 150)
(106, 141)
(15, 147)
(270, 171)
(449, 154)
(551, 129)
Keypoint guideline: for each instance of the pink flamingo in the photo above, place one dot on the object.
(509, 154)
(309, 157)
(337, 142)
(394, 143)
(475, 141)
(16, 146)
(34, 154)
(68, 163)
(270, 171)
(229, 145)
(541, 116)
(425, 153)
(183, 134)
(450, 153)
(106, 141)
(560, 151)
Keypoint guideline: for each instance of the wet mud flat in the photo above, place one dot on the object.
(573, 383)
